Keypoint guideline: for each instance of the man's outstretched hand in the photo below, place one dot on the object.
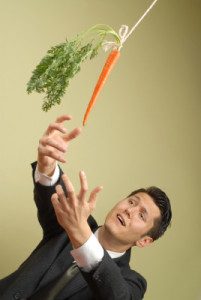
(54, 144)
(73, 211)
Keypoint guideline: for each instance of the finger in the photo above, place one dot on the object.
(62, 197)
(93, 196)
(57, 144)
(55, 126)
(69, 187)
(56, 204)
(73, 134)
(63, 118)
(83, 185)
(51, 152)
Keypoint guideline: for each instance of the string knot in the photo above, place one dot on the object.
(112, 45)
(123, 31)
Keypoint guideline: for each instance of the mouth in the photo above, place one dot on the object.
(121, 220)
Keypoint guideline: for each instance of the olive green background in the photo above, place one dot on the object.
(144, 130)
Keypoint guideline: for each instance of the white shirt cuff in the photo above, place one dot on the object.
(47, 180)
(89, 255)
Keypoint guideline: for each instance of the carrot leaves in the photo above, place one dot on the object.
(62, 62)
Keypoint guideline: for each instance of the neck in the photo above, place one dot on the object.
(108, 242)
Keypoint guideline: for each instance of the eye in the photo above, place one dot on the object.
(141, 215)
(130, 201)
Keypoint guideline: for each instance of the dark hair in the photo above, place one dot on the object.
(162, 201)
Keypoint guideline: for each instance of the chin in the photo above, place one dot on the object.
(113, 229)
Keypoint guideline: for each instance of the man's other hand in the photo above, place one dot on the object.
(54, 144)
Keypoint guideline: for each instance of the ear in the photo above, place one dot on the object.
(143, 242)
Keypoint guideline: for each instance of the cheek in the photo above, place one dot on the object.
(109, 221)
(138, 226)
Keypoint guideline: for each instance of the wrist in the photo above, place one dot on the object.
(48, 170)
(79, 236)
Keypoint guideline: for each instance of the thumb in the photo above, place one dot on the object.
(93, 195)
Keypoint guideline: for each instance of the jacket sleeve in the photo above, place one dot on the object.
(45, 210)
(109, 281)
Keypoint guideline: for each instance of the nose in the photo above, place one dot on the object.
(128, 213)
(130, 210)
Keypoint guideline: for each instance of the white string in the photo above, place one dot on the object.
(124, 34)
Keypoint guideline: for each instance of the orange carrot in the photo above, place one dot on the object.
(110, 62)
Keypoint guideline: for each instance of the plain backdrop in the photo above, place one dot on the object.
(144, 130)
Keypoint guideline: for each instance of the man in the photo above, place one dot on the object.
(76, 259)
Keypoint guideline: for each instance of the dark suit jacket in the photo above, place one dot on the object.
(111, 280)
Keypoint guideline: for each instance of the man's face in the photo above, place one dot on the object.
(131, 219)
